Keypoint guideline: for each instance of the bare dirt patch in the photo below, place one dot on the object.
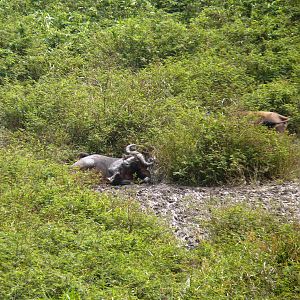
(185, 208)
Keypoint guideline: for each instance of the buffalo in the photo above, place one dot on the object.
(269, 119)
(118, 171)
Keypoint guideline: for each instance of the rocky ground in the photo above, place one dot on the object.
(184, 208)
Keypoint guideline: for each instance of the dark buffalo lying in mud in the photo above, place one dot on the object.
(118, 171)
(269, 119)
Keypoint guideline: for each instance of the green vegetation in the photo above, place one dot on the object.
(251, 256)
(59, 240)
(58, 237)
(97, 75)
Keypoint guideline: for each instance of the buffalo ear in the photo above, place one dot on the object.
(82, 155)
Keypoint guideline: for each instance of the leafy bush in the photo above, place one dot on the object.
(192, 145)
(98, 76)
(71, 112)
(136, 42)
(280, 96)
(203, 149)
(251, 254)
(61, 240)
(57, 236)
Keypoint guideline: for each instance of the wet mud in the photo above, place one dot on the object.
(185, 208)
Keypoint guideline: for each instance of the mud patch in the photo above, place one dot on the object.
(185, 208)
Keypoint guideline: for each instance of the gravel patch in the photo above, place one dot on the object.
(185, 208)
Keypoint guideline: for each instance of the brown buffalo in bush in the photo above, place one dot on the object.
(269, 119)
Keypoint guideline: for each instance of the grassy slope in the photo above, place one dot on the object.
(95, 75)
(57, 236)
(99, 75)
(61, 240)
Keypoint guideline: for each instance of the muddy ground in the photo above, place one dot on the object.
(184, 208)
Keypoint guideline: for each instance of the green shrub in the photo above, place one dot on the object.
(208, 149)
(60, 240)
(252, 255)
(58, 236)
(280, 96)
(98, 76)
(136, 42)
(192, 146)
